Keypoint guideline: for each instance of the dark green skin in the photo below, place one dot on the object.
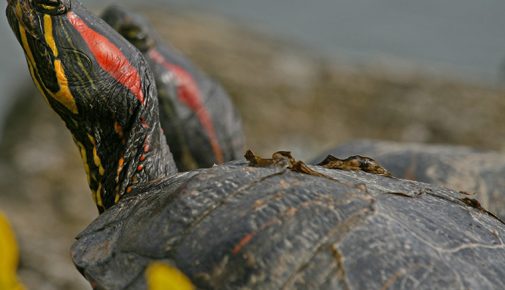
(189, 140)
(240, 227)
(460, 168)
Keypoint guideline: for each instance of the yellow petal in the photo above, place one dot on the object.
(161, 276)
(9, 257)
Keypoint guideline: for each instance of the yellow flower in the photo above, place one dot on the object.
(9, 257)
(161, 276)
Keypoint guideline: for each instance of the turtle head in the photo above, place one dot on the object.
(131, 26)
(79, 63)
(31, 22)
(100, 85)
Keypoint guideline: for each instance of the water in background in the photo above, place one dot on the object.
(465, 37)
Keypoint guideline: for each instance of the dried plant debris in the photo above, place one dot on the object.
(282, 159)
(355, 163)
(472, 202)
(279, 159)
(467, 193)
(286, 160)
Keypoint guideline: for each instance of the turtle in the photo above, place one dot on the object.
(472, 171)
(273, 223)
(200, 122)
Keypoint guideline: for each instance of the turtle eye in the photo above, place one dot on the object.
(131, 32)
(53, 7)
(137, 36)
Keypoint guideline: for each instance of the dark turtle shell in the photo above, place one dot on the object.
(457, 167)
(240, 227)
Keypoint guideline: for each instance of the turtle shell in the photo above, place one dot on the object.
(479, 173)
(241, 227)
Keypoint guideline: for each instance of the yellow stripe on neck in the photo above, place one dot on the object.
(96, 158)
(48, 34)
(98, 194)
(84, 158)
(63, 96)
(30, 60)
(26, 46)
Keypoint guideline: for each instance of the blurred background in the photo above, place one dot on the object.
(306, 76)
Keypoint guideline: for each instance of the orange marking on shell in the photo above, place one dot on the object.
(146, 148)
(243, 242)
(129, 189)
(140, 167)
(142, 157)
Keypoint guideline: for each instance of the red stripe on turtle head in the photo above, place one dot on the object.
(110, 58)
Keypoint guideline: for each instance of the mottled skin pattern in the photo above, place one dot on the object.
(200, 122)
(239, 227)
(235, 226)
(460, 168)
